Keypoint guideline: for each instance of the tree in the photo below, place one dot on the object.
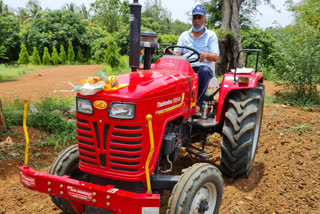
(9, 37)
(228, 15)
(112, 56)
(35, 56)
(97, 58)
(307, 11)
(34, 9)
(46, 59)
(107, 13)
(3, 53)
(71, 7)
(62, 55)
(54, 56)
(70, 52)
(80, 55)
(23, 56)
(4, 11)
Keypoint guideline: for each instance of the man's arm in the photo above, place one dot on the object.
(211, 57)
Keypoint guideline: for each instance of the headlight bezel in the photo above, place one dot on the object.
(122, 118)
(84, 112)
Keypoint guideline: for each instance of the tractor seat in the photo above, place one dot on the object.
(243, 70)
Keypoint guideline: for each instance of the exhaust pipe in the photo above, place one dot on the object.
(135, 28)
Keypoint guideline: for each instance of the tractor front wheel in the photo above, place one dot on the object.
(67, 163)
(199, 190)
(241, 129)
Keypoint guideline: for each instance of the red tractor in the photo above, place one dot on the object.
(128, 139)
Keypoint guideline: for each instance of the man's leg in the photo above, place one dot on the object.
(204, 76)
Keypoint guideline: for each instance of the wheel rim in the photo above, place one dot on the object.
(208, 193)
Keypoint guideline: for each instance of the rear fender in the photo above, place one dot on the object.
(228, 86)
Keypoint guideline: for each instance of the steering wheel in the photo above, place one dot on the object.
(193, 52)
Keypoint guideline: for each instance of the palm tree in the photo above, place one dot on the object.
(70, 7)
(34, 9)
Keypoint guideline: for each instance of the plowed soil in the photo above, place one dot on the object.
(285, 176)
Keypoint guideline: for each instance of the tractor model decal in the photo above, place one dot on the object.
(27, 180)
(175, 100)
(79, 194)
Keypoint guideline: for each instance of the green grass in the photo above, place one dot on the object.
(50, 118)
(13, 72)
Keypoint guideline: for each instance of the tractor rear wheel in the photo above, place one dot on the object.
(240, 133)
(199, 190)
(67, 163)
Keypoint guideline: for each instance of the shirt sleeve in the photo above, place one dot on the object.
(214, 45)
(180, 42)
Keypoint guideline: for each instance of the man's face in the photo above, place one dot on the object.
(198, 20)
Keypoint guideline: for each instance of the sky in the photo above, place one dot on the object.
(179, 8)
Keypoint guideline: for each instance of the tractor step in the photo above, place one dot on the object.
(200, 153)
(204, 123)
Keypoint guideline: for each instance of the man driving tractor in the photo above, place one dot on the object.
(206, 43)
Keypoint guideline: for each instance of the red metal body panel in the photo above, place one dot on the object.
(227, 86)
(117, 148)
(80, 193)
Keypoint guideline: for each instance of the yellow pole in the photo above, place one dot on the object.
(149, 118)
(26, 132)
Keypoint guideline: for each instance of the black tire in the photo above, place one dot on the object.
(186, 194)
(67, 163)
(240, 133)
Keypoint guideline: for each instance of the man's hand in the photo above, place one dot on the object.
(203, 56)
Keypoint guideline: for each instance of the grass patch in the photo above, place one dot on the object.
(48, 117)
(13, 72)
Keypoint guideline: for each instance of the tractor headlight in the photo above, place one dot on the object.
(122, 110)
(84, 106)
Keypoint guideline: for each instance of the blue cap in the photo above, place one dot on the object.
(199, 10)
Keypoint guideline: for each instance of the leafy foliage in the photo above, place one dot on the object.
(46, 58)
(49, 118)
(3, 53)
(35, 56)
(23, 56)
(71, 55)
(80, 57)
(112, 56)
(9, 37)
(54, 56)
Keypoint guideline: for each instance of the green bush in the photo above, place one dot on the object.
(35, 56)
(50, 117)
(23, 56)
(62, 55)
(111, 55)
(46, 59)
(80, 57)
(71, 55)
(297, 64)
(54, 56)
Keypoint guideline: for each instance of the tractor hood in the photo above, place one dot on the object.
(147, 84)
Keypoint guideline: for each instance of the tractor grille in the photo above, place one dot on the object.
(110, 147)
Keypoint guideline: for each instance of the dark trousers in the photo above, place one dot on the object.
(204, 76)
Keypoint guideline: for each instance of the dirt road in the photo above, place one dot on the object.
(285, 177)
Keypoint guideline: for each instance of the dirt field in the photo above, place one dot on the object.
(285, 177)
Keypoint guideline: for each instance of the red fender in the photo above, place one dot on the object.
(227, 86)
